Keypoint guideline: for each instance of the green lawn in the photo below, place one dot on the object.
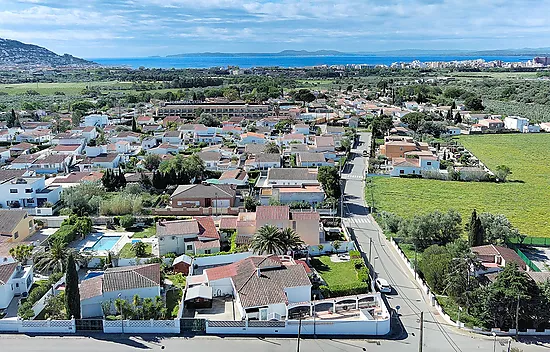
(146, 232)
(177, 279)
(128, 252)
(335, 273)
(525, 202)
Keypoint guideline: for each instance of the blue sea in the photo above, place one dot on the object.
(283, 61)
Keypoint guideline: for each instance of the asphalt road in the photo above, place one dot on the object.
(438, 335)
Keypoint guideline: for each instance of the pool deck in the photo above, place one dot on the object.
(91, 239)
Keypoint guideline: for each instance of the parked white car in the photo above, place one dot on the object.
(382, 285)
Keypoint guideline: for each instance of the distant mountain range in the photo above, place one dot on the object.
(403, 52)
(15, 53)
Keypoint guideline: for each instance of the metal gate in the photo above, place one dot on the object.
(89, 325)
(197, 326)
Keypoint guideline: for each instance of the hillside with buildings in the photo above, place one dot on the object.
(16, 54)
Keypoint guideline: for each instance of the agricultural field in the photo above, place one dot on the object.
(525, 199)
(73, 88)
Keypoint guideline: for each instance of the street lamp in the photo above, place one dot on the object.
(121, 315)
(314, 313)
(494, 341)
(458, 320)
(374, 266)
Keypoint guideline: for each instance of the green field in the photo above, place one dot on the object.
(67, 88)
(525, 200)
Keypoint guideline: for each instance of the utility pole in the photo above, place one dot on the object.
(421, 332)
(517, 319)
(370, 250)
(299, 330)
(415, 261)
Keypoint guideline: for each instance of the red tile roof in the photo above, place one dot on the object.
(273, 212)
(207, 228)
(228, 223)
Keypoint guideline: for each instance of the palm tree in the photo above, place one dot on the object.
(54, 260)
(291, 239)
(21, 253)
(268, 240)
(272, 240)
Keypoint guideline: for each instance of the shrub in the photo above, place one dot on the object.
(127, 221)
(25, 309)
(354, 254)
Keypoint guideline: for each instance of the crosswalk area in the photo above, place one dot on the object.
(352, 177)
(356, 220)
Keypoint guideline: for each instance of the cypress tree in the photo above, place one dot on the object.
(458, 117)
(475, 231)
(120, 179)
(134, 125)
(72, 293)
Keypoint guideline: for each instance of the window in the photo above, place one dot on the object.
(429, 163)
(17, 284)
(401, 172)
(13, 190)
(28, 190)
(189, 247)
(16, 235)
(207, 251)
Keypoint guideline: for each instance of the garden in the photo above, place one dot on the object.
(344, 277)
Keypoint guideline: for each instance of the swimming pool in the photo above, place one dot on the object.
(105, 243)
(91, 274)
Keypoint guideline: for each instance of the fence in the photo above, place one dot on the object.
(142, 326)
(527, 261)
(198, 211)
(379, 327)
(532, 241)
(38, 326)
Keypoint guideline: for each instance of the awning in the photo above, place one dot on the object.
(200, 291)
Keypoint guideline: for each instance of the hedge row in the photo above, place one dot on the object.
(344, 289)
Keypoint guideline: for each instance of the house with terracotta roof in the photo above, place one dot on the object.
(198, 235)
(292, 138)
(15, 280)
(237, 177)
(203, 195)
(396, 147)
(145, 120)
(76, 178)
(263, 286)
(122, 282)
(414, 164)
(494, 258)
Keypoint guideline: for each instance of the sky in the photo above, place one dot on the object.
(138, 28)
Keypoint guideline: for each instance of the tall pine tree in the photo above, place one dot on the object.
(134, 125)
(475, 231)
(72, 293)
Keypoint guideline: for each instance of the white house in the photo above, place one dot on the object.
(27, 192)
(414, 166)
(263, 286)
(308, 159)
(122, 282)
(263, 161)
(190, 236)
(96, 120)
(453, 131)
(148, 143)
(252, 138)
(516, 123)
(301, 128)
(102, 161)
(236, 177)
(172, 137)
(15, 280)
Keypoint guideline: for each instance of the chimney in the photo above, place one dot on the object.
(258, 272)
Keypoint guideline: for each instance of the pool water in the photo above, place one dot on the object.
(91, 274)
(105, 243)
